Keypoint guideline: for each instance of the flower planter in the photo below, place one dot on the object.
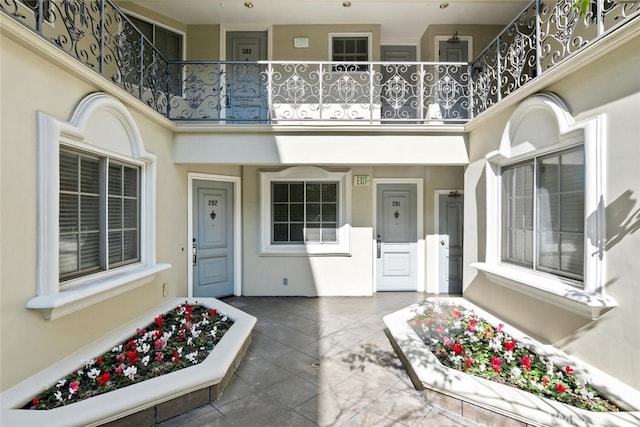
(144, 403)
(491, 403)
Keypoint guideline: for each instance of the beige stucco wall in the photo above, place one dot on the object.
(203, 42)
(29, 343)
(482, 36)
(318, 35)
(609, 86)
(332, 275)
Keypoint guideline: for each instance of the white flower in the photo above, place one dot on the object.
(549, 367)
(192, 357)
(190, 341)
(495, 344)
(117, 349)
(145, 360)
(516, 372)
(93, 373)
(58, 395)
(482, 367)
(537, 385)
(508, 356)
(144, 348)
(61, 383)
(89, 363)
(130, 372)
(204, 322)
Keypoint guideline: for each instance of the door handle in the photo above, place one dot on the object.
(194, 253)
(379, 246)
(442, 242)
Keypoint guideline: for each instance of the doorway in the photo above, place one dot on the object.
(452, 88)
(246, 100)
(397, 236)
(450, 238)
(399, 91)
(214, 236)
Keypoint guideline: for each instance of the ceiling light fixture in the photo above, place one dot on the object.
(248, 5)
(454, 38)
(444, 5)
(346, 4)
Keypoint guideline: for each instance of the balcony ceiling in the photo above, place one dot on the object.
(400, 20)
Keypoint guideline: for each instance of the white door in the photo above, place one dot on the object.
(396, 229)
(450, 224)
(212, 261)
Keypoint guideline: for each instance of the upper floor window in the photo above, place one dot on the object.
(168, 43)
(543, 213)
(99, 214)
(350, 48)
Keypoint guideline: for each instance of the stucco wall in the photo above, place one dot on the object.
(609, 86)
(482, 36)
(30, 343)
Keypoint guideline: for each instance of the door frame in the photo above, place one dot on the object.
(419, 227)
(224, 29)
(435, 278)
(237, 233)
(438, 39)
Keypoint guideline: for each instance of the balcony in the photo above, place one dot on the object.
(540, 38)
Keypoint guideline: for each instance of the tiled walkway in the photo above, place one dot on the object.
(319, 361)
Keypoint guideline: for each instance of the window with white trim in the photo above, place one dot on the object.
(99, 214)
(350, 48)
(96, 208)
(543, 213)
(305, 210)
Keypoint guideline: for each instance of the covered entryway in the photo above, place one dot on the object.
(397, 236)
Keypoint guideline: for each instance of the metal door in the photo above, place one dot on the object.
(450, 232)
(246, 82)
(213, 274)
(396, 243)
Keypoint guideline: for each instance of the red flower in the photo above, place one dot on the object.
(526, 362)
(457, 349)
(212, 312)
(175, 357)
(456, 313)
(99, 360)
(510, 345)
(473, 322)
(568, 369)
(560, 388)
(35, 401)
(468, 362)
(104, 378)
(447, 341)
(545, 381)
(159, 322)
(132, 356)
(496, 364)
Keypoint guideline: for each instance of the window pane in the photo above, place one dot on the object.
(130, 181)
(280, 212)
(89, 250)
(130, 249)
(130, 213)
(296, 193)
(572, 254)
(115, 213)
(280, 232)
(115, 179)
(329, 212)
(329, 192)
(280, 192)
(313, 192)
(329, 233)
(572, 212)
(313, 212)
(68, 250)
(115, 247)
(68, 213)
(89, 175)
(89, 213)
(572, 172)
(68, 171)
(313, 232)
(296, 233)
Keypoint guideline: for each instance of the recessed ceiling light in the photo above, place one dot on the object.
(248, 5)
(444, 5)
(346, 4)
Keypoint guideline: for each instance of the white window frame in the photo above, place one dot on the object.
(124, 142)
(369, 37)
(306, 173)
(546, 115)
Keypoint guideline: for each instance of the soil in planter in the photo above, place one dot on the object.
(175, 340)
(462, 340)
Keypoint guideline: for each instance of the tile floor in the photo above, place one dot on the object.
(319, 361)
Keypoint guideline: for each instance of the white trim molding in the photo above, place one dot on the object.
(542, 124)
(237, 227)
(87, 134)
(306, 173)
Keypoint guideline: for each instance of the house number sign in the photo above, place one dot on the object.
(212, 203)
(396, 204)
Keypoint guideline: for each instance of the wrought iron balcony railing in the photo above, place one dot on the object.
(99, 35)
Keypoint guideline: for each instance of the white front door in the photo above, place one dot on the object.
(213, 242)
(397, 243)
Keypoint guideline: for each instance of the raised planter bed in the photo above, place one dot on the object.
(141, 404)
(486, 402)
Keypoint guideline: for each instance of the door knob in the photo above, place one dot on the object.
(442, 242)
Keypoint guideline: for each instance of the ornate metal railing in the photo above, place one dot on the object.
(99, 35)
(543, 35)
(328, 92)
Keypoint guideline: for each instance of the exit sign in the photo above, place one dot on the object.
(361, 180)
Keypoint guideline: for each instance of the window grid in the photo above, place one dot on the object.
(304, 212)
(549, 235)
(99, 214)
(350, 49)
